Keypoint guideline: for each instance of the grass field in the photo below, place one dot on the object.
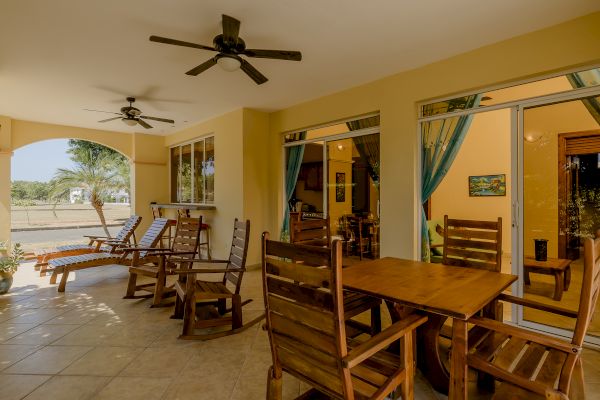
(44, 216)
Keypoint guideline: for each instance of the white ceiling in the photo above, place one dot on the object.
(61, 56)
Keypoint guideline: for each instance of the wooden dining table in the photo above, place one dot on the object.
(455, 292)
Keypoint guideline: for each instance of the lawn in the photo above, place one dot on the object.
(65, 215)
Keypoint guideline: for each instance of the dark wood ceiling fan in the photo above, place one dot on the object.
(230, 48)
(132, 116)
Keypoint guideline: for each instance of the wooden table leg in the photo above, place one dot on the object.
(429, 358)
(559, 280)
(567, 278)
(526, 279)
(458, 362)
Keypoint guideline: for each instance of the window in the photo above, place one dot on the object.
(193, 172)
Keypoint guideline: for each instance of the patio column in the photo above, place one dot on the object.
(149, 175)
(5, 183)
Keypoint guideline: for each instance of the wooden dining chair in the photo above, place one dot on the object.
(194, 293)
(315, 232)
(363, 237)
(305, 322)
(156, 263)
(532, 363)
(473, 244)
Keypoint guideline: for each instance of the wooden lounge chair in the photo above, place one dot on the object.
(531, 364)
(305, 321)
(96, 244)
(315, 232)
(65, 265)
(156, 262)
(193, 293)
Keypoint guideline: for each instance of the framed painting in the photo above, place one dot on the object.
(340, 187)
(487, 185)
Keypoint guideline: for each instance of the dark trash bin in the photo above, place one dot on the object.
(541, 249)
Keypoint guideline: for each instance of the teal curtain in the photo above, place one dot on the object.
(294, 161)
(586, 79)
(441, 141)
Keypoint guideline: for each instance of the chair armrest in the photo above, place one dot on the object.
(538, 338)
(157, 249)
(383, 339)
(198, 260)
(538, 306)
(205, 270)
(96, 237)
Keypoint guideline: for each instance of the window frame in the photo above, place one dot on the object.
(193, 143)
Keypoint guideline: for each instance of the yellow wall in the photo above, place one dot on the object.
(228, 131)
(485, 151)
(540, 167)
(395, 97)
(256, 178)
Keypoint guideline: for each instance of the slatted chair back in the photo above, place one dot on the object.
(589, 290)
(153, 234)
(128, 229)
(314, 232)
(305, 316)
(237, 255)
(187, 236)
(474, 244)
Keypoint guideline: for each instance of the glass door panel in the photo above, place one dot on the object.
(186, 174)
(561, 205)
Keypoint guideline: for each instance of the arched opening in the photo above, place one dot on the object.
(64, 189)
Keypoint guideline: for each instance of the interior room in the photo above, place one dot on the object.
(398, 203)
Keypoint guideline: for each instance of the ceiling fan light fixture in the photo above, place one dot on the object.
(228, 63)
(129, 121)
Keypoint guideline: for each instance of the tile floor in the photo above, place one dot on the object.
(89, 343)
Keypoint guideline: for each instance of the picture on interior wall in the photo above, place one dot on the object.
(340, 187)
(487, 185)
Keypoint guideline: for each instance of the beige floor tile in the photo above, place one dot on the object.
(218, 387)
(133, 335)
(88, 335)
(10, 313)
(11, 353)
(42, 334)
(131, 388)
(76, 316)
(69, 388)
(103, 361)
(15, 387)
(9, 330)
(37, 316)
(158, 362)
(48, 360)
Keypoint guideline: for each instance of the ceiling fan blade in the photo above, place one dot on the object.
(144, 124)
(253, 72)
(110, 119)
(168, 121)
(160, 39)
(276, 54)
(107, 112)
(202, 67)
(231, 29)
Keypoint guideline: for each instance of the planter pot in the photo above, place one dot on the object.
(6, 280)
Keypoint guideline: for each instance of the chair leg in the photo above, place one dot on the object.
(189, 315)
(179, 308)
(236, 312)
(222, 306)
(375, 320)
(131, 286)
(63, 280)
(274, 389)
(161, 281)
(54, 276)
(406, 347)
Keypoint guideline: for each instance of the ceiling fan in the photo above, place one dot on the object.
(132, 116)
(230, 48)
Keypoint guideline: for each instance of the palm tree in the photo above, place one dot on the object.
(98, 174)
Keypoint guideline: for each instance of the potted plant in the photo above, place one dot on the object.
(9, 265)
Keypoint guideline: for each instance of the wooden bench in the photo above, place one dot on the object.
(559, 267)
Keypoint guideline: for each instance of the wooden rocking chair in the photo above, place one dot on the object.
(121, 255)
(307, 333)
(157, 262)
(96, 244)
(193, 292)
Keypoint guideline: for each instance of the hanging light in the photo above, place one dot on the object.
(129, 121)
(229, 63)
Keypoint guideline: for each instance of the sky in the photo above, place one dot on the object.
(39, 161)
